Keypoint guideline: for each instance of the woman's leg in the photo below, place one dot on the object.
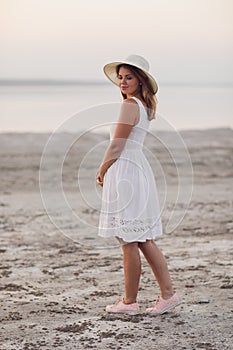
(132, 271)
(159, 267)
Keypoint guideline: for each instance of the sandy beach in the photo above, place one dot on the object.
(56, 281)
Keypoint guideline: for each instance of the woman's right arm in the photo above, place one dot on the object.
(128, 116)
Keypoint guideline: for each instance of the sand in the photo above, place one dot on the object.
(55, 286)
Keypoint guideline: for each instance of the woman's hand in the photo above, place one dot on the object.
(100, 179)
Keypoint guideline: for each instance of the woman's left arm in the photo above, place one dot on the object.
(128, 116)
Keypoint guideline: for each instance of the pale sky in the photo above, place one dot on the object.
(184, 40)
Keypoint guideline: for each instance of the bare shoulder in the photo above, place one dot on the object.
(129, 111)
(130, 100)
(129, 104)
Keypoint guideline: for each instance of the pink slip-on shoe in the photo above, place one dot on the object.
(120, 308)
(163, 305)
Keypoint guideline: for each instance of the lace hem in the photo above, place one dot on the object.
(135, 225)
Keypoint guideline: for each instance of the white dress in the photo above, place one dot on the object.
(130, 207)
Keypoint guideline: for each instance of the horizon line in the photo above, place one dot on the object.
(54, 81)
(45, 132)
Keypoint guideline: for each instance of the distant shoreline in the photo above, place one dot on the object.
(68, 82)
(194, 130)
(35, 82)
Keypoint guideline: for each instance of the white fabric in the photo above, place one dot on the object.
(130, 207)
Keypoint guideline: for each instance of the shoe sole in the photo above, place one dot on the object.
(131, 313)
(163, 311)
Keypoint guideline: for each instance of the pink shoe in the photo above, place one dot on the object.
(163, 305)
(120, 308)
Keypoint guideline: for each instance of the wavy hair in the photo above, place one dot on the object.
(147, 92)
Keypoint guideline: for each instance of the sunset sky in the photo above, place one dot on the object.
(184, 40)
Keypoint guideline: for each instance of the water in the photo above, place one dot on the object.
(42, 108)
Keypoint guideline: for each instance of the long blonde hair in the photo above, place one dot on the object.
(147, 92)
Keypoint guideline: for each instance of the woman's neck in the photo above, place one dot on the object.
(137, 96)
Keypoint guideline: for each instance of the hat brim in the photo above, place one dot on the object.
(111, 74)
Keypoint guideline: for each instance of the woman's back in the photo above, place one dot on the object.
(137, 136)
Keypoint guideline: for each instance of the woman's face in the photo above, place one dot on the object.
(128, 82)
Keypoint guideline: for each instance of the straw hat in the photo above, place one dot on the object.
(133, 60)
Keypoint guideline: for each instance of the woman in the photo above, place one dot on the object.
(130, 208)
